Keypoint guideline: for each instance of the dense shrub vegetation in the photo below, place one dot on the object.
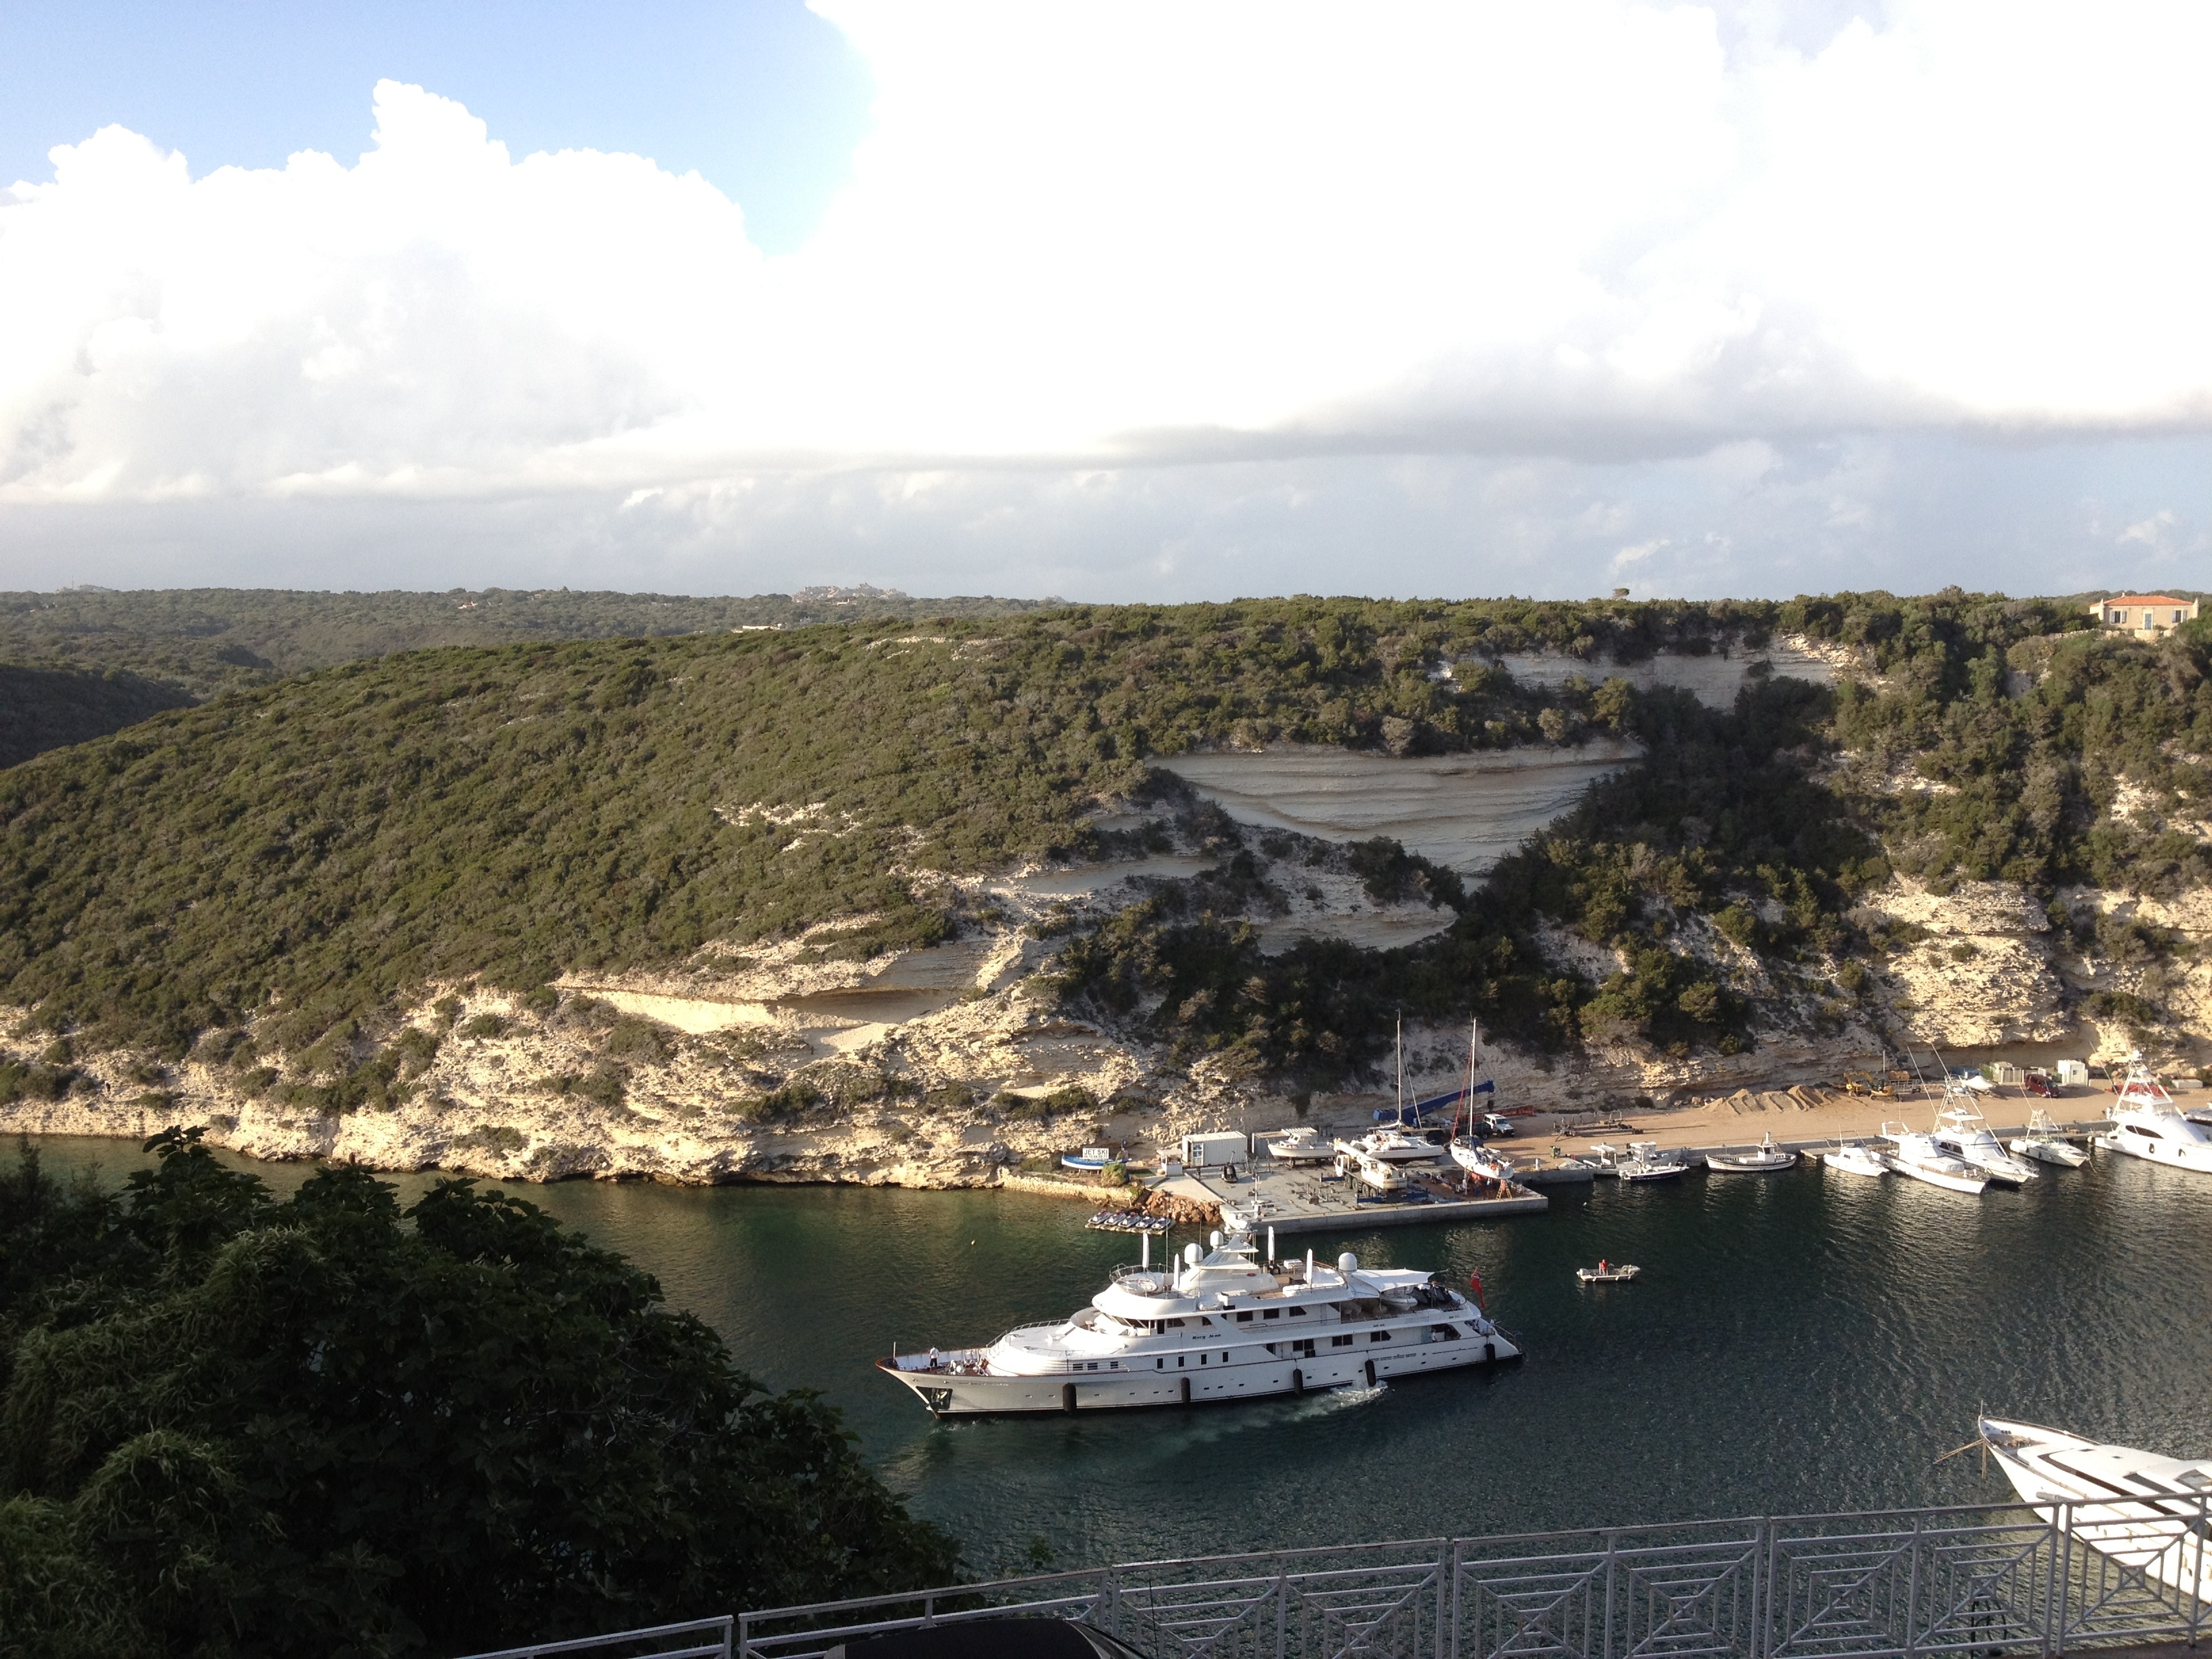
(315, 850)
(235, 1426)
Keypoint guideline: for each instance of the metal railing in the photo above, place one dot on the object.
(660, 1642)
(1897, 1584)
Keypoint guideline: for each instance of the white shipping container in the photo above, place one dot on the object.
(1212, 1150)
(2071, 1074)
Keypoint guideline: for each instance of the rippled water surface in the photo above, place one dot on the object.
(1804, 1341)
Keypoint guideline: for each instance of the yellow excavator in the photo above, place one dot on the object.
(1866, 1084)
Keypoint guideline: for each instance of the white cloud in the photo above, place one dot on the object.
(1099, 236)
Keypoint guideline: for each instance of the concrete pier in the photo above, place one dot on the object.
(1297, 1201)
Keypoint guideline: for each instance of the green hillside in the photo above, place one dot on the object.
(318, 849)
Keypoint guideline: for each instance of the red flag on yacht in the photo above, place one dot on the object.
(1475, 1284)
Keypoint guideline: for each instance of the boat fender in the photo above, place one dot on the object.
(1371, 1373)
(1186, 1391)
(1067, 1396)
(1297, 1381)
(1489, 1353)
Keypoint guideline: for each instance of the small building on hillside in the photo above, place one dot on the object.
(2146, 615)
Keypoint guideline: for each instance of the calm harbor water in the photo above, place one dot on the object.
(1803, 1341)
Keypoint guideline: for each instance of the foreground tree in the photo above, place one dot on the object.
(232, 1425)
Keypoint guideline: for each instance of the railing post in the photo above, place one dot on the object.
(1443, 1587)
(1109, 1592)
(729, 1626)
(1762, 1581)
(2062, 1521)
(1612, 1544)
(2196, 1578)
(1282, 1612)
(1912, 1590)
(2051, 1576)
(1458, 1564)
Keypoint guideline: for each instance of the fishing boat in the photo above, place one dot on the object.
(1301, 1145)
(1645, 1162)
(1761, 1160)
(2045, 1145)
(1608, 1273)
(2144, 1510)
(1917, 1155)
(1855, 1157)
(1961, 1131)
(1214, 1325)
(2147, 1124)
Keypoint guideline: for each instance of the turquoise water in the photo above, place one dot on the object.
(1804, 1341)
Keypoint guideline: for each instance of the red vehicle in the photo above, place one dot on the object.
(2038, 1085)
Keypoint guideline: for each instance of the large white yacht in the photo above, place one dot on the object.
(2135, 1506)
(1213, 1326)
(2146, 1123)
(1962, 1131)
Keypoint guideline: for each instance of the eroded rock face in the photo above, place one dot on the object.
(1976, 967)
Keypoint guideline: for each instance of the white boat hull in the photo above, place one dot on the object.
(950, 1390)
(1869, 1164)
(2142, 1510)
(2065, 1156)
(2173, 1154)
(1951, 1181)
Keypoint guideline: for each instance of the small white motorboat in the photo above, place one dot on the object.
(2045, 1145)
(1608, 1273)
(1759, 1160)
(1646, 1163)
(1855, 1157)
(1301, 1145)
(1919, 1157)
(2142, 1510)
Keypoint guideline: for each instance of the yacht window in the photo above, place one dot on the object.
(1177, 1323)
(2138, 1129)
(1159, 1364)
(1201, 1359)
(1272, 1313)
(1203, 1320)
(1297, 1313)
(1244, 1318)
(1340, 1342)
(1378, 1336)
(1179, 1361)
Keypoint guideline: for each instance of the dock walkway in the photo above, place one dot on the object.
(1298, 1200)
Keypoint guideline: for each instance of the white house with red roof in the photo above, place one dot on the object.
(2146, 615)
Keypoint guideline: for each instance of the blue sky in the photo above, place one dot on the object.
(1115, 299)
(761, 97)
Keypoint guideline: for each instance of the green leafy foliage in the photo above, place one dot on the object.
(232, 1425)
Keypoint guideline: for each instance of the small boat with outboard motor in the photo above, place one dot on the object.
(2145, 1511)
(1535, 1170)
(1918, 1156)
(1215, 1324)
(1762, 1159)
(1961, 1131)
(1645, 1162)
(2043, 1143)
(1128, 1221)
(1091, 1158)
(1608, 1273)
(1855, 1158)
(2147, 1124)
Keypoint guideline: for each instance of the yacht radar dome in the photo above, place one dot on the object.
(1347, 1263)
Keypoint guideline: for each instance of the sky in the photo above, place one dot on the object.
(1115, 301)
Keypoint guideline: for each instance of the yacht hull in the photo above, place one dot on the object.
(2173, 1154)
(948, 1392)
(2137, 1507)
